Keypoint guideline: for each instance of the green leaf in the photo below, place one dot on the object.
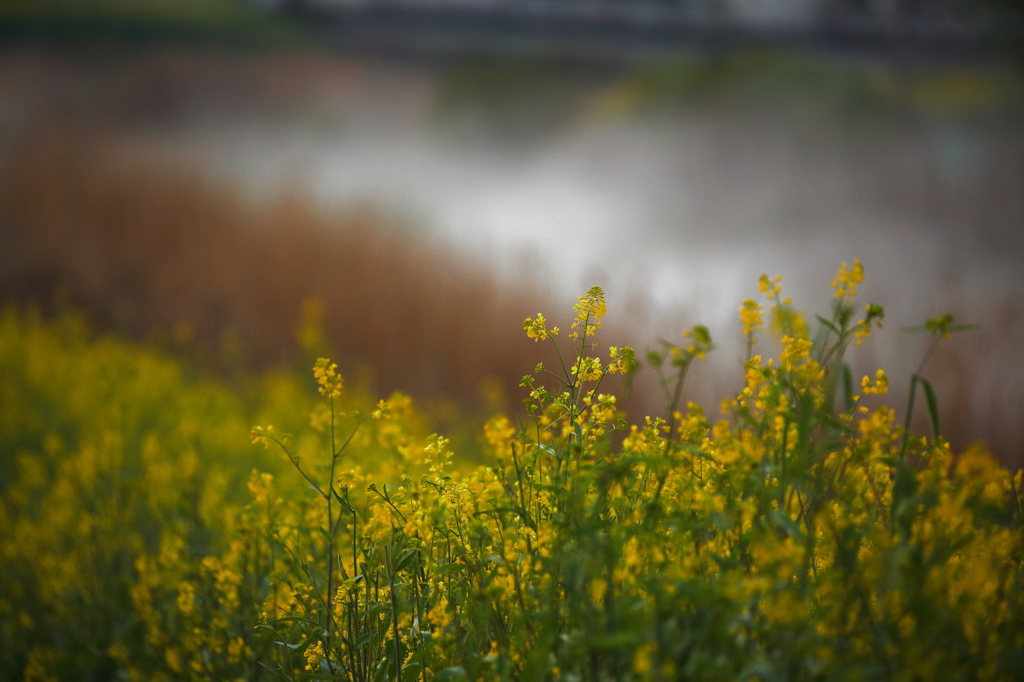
(720, 520)
(910, 413)
(406, 558)
(383, 671)
(291, 619)
(447, 568)
(344, 503)
(318, 676)
(904, 488)
(277, 671)
(726, 563)
(785, 523)
(847, 388)
(618, 640)
(410, 671)
(933, 405)
(299, 648)
(448, 674)
(693, 449)
(828, 325)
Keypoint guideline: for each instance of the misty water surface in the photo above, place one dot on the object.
(687, 205)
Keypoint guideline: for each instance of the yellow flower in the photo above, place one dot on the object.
(589, 311)
(795, 351)
(847, 279)
(588, 369)
(314, 656)
(770, 286)
(537, 329)
(326, 374)
(750, 315)
(262, 435)
(880, 386)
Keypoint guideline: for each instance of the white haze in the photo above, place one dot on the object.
(687, 208)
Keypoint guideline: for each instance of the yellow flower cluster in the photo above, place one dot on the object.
(327, 378)
(785, 539)
(623, 360)
(878, 387)
(769, 286)
(795, 352)
(783, 525)
(750, 315)
(537, 329)
(589, 311)
(314, 657)
(847, 280)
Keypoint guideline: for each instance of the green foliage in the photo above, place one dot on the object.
(797, 540)
(216, 22)
(803, 536)
(788, 81)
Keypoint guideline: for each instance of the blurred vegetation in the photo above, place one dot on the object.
(114, 458)
(765, 77)
(545, 93)
(805, 537)
(228, 23)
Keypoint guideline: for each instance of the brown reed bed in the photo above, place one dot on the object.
(151, 251)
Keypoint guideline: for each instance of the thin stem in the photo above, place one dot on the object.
(330, 543)
(295, 462)
(373, 489)
(344, 446)
(910, 413)
(394, 613)
(810, 531)
(1016, 499)
(558, 351)
(673, 406)
(663, 382)
(931, 349)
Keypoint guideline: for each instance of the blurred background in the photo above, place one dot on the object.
(401, 182)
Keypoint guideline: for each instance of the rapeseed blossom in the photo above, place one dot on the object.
(589, 311)
(847, 280)
(790, 539)
(750, 315)
(327, 378)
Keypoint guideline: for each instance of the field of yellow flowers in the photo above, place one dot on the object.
(804, 533)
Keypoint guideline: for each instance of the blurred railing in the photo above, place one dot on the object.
(623, 28)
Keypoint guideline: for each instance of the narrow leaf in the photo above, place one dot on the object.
(383, 670)
(933, 405)
(453, 673)
(277, 671)
(828, 325)
(410, 671)
(447, 568)
(344, 503)
(405, 559)
(847, 388)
